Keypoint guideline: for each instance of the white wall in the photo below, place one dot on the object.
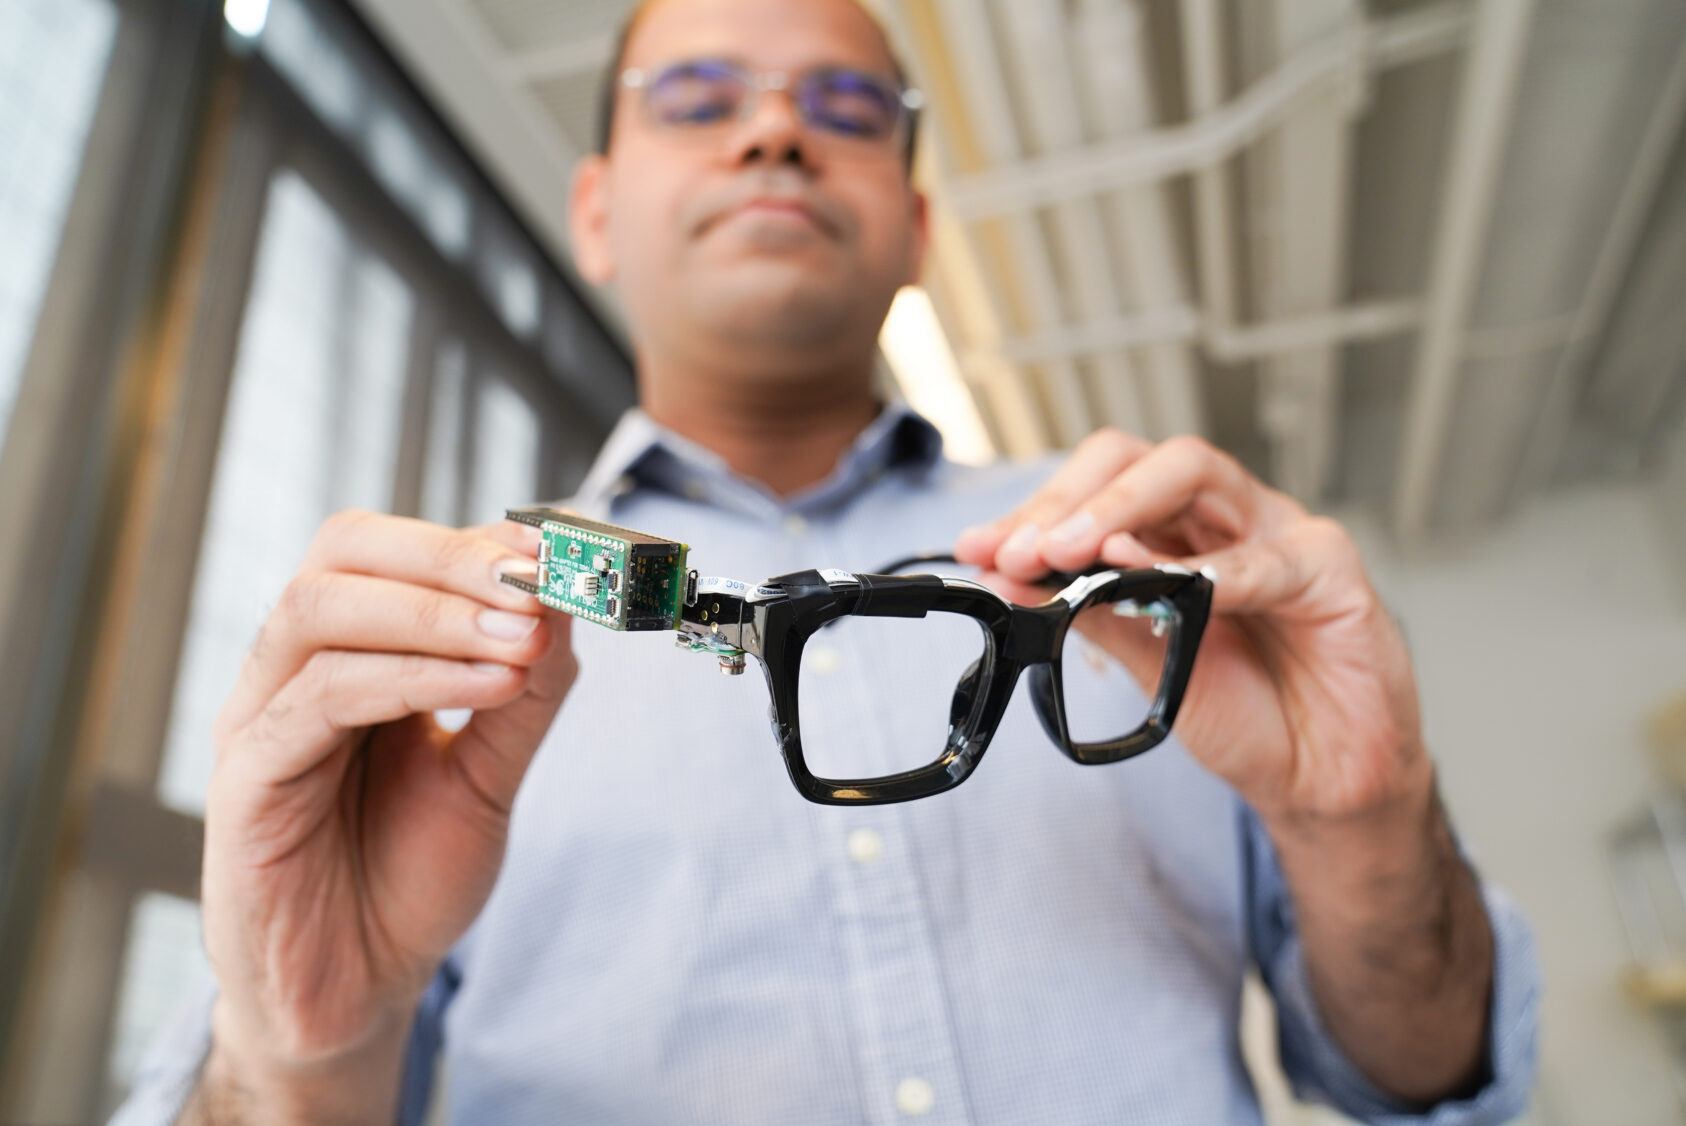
(1541, 648)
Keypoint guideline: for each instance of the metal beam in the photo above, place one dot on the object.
(452, 55)
(1209, 138)
(1054, 123)
(966, 293)
(1234, 344)
(1610, 269)
(1119, 62)
(966, 24)
(1490, 76)
(1300, 191)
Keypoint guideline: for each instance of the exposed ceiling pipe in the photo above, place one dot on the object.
(1615, 257)
(1218, 131)
(1485, 103)
(1054, 123)
(1119, 63)
(1182, 324)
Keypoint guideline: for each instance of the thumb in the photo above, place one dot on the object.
(496, 746)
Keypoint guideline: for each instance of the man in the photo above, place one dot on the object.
(673, 934)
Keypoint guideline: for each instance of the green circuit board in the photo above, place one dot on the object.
(616, 577)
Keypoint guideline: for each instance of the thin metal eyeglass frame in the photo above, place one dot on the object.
(773, 621)
(908, 100)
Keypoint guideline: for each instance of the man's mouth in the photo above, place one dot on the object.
(780, 210)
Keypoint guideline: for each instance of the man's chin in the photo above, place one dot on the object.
(778, 306)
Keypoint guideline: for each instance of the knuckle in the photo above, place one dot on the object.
(456, 548)
(302, 599)
(1188, 446)
(340, 525)
(429, 614)
(1110, 440)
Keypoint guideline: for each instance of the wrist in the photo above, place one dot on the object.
(1395, 811)
(251, 1078)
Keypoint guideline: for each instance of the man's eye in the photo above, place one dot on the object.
(701, 113)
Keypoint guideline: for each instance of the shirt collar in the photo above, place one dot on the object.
(641, 452)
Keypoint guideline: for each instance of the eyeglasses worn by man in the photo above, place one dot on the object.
(601, 901)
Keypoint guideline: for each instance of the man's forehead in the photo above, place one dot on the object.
(780, 34)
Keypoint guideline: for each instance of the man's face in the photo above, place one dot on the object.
(763, 235)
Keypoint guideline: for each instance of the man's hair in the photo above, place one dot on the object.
(608, 95)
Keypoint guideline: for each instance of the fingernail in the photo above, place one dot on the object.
(972, 532)
(506, 626)
(1210, 573)
(520, 568)
(1073, 528)
(1023, 540)
(488, 668)
(1124, 544)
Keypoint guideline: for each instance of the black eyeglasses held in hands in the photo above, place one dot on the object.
(954, 647)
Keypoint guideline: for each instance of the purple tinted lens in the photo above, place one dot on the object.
(850, 103)
(696, 93)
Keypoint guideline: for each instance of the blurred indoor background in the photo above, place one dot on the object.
(1420, 262)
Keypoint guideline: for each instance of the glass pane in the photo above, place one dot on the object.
(53, 56)
(1106, 698)
(906, 670)
(164, 963)
(506, 452)
(312, 427)
(442, 477)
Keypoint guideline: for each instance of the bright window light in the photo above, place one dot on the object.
(924, 366)
(246, 17)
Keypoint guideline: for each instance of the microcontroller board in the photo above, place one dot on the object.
(613, 576)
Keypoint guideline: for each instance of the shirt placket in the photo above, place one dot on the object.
(907, 1059)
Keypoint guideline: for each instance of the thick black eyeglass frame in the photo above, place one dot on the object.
(775, 620)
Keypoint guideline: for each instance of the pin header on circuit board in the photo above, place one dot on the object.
(616, 577)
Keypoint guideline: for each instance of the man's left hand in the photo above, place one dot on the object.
(1302, 696)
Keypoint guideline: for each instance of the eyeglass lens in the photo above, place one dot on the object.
(876, 695)
(1107, 698)
(840, 101)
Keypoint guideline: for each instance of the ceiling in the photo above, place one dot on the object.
(1425, 256)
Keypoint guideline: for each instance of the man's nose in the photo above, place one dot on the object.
(774, 133)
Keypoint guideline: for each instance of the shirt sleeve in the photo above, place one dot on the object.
(170, 1070)
(1318, 1069)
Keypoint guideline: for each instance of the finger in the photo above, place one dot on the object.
(329, 610)
(1180, 479)
(338, 692)
(496, 747)
(1097, 459)
(466, 561)
(1282, 573)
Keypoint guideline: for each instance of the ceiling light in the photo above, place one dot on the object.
(246, 17)
(924, 366)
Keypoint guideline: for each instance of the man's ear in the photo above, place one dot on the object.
(588, 220)
(921, 239)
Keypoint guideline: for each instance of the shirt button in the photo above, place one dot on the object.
(795, 526)
(821, 659)
(914, 1097)
(865, 846)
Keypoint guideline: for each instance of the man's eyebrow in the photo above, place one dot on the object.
(876, 70)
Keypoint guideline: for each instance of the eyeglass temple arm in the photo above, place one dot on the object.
(1052, 578)
(719, 618)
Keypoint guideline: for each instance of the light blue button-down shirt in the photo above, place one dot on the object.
(678, 937)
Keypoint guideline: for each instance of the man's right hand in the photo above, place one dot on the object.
(350, 840)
